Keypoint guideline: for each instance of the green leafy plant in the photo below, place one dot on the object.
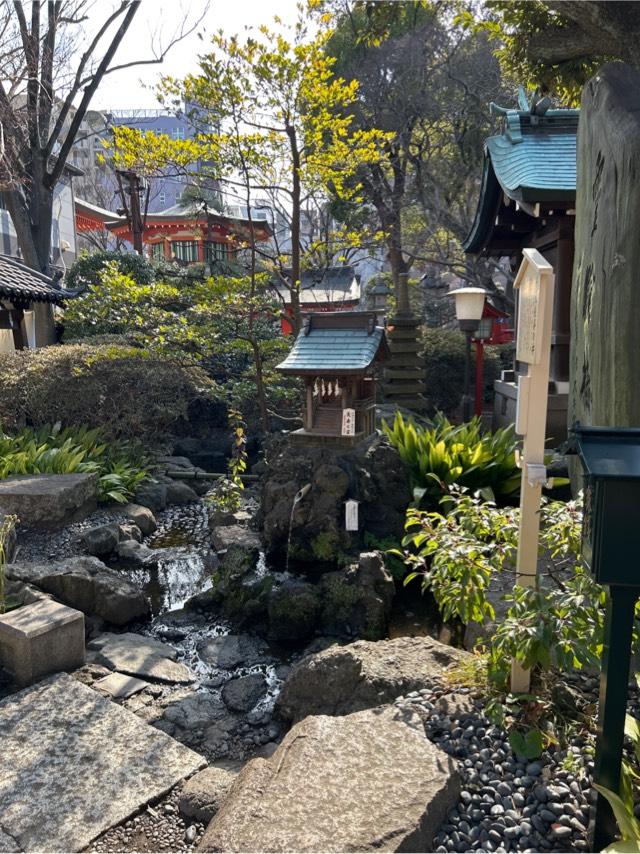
(227, 493)
(120, 466)
(444, 455)
(622, 802)
(7, 526)
(557, 624)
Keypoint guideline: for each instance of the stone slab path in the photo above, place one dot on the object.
(73, 764)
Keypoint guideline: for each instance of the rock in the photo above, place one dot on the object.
(370, 781)
(133, 553)
(117, 685)
(455, 705)
(142, 517)
(101, 541)
(294, 611)
(87, 584)
(364, 674)
(359, 598)
(241, 694)
(226, 536)
(202, 796)
(230, 651)
(199, 711)
(370, 473)
(140, 656)
(211, 454)
(47, 803)
(129, 531)
(151, 494)
(49, 501)
(179, 492)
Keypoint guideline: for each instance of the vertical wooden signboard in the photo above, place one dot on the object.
(534, 283)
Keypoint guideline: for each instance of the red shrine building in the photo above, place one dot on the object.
(187, 235)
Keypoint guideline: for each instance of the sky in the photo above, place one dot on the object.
(133, 87)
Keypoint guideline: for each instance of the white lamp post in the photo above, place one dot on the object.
(469, 308)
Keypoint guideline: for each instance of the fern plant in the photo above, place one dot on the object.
(120, 466)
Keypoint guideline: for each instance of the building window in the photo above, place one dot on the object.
(184, 250)
(157, 251)
(217, 252)
(177, 133)
(162, 198)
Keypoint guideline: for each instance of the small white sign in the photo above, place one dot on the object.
(351, 515)
(348, 422)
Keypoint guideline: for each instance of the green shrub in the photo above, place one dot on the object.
(558, 624)
(127, 392)
(86, 270)
(443, 455)
(444, 356)
(52, 450)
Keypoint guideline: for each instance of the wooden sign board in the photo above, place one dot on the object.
(348, 422)
(532, 296)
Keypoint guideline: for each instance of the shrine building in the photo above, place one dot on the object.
(527, 199)
(336, 354)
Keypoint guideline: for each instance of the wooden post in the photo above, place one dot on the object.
(534, 283)
(309, 419)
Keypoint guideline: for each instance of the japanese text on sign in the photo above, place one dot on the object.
(348, 422)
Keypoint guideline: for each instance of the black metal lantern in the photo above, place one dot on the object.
(610, 458)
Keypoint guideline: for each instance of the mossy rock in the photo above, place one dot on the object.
(294, 610)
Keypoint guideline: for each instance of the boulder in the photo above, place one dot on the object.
(294, 611)
(239, 549)
(202, 795)
(101, 541)
(142, 517)
(211, 454)
(151, 494)
(230, 651)
(364, 674)
(179, 492)
(358, 600)
(87, 584)
(370, 781)
(241, 694)
(129, 531)
(133, 553)
(49, 501)
(140, 656)
(370, 473)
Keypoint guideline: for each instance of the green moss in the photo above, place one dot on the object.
(326, 546)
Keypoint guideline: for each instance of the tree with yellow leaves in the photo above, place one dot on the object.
(272, 115)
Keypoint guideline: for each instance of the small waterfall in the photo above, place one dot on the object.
(297, 498)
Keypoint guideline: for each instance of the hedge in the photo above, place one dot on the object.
(444, 355)
(126, 391)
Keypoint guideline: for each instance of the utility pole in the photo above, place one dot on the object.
(131, 188)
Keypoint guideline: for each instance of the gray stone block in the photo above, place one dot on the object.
(41, 638)
(49, 501)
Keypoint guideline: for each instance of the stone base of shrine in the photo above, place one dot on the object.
(318, 438)
(505, 404)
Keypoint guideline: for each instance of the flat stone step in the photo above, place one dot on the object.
(49, 501)
(75, 764)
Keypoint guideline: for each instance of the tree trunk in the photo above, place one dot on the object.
(295, 230)
(605, 303)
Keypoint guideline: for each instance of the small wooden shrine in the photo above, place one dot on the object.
(336, 354)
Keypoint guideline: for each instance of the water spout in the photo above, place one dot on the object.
(297, 498)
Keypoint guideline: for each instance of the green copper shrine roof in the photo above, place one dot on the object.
(533, 160)
(333, 347)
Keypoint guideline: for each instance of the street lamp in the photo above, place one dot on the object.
(469, 308)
